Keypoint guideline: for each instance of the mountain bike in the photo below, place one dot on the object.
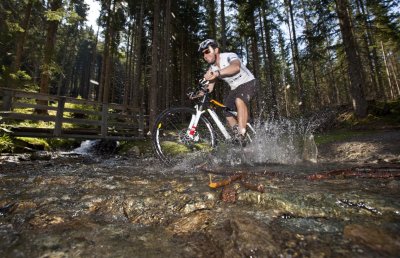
(180, 132)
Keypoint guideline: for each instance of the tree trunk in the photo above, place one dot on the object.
(223, 26)
(166, 64)
(311, 47)
(355, 68)
(11, 81)
(255, 60)
(135, 96)
(212, 18)
(153, 107)
(21, 37)
(128, 65)
(108, 71)
(104, 82)
(270, 65)
(296, 57)
(52, 27)
(374, 61)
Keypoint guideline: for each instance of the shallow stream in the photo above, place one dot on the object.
(85, 206)
(277, 201)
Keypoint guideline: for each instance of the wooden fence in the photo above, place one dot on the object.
(67, 117)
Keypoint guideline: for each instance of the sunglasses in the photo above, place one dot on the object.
(207, 51)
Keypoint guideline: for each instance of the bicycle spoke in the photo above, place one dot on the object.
(171, 140)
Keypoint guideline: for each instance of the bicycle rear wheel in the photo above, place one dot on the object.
(171, 141)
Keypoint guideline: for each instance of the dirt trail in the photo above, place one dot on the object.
(379, 146)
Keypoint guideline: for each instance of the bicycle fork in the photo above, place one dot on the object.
(191, 131)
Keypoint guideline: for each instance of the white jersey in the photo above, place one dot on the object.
(238, 79)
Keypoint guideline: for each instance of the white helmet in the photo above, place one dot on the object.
(208, 42)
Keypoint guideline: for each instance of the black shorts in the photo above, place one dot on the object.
(245, 92)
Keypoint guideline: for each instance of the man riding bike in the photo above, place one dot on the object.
(243, 85)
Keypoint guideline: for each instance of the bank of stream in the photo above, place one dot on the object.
(346, 205)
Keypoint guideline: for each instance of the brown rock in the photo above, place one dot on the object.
(190, 223)
(374, 237)
(229, 194)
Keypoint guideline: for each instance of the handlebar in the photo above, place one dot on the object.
(202, 87)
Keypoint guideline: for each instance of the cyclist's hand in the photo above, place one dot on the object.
(195, 95)
(210, 75)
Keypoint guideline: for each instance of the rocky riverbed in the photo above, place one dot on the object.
(346, 205)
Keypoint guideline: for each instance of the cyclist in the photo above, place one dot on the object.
(243, 85)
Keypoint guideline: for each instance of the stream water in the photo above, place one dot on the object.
(119, 206)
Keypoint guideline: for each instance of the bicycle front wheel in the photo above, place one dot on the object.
(171, 141)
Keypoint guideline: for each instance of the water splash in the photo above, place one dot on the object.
(282, 141)
(86, 147)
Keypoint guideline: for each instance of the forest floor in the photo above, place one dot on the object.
(367, 146)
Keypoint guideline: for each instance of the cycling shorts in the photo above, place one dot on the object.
(245, 92)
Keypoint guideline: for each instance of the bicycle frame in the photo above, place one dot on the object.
(191, 131)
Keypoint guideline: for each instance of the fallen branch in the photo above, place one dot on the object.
(224, 182)
(361, 172)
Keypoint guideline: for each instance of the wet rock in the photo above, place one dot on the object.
(105, 147)
(110, 208)
(96, 207)
(41, 155)
(45, 220)
(194, 205)
(374, 237)
(229, 194)
(25, 205)
(8, 235)
(394, 184)
(8, 208)
(190, 223)
(243, 237)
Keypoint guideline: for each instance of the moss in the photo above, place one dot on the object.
(35, 143)
(338, 135)
(144, 146)
(173, 148)
(63, 144)
(6, 143)
(379, 114)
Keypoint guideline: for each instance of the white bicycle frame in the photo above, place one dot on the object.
(191, 131)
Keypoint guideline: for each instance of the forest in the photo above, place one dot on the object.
(308, 55)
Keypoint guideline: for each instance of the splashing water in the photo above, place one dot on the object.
(280, 141)
(86, 147)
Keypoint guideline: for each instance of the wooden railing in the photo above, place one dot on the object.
(67, 117)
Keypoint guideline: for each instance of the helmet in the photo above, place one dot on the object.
(208, 42)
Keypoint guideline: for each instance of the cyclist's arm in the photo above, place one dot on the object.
(232, 69)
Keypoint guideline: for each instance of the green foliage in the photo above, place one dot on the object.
(51, 69)
(54, 15)
(14, 27)
(6, 143)
(82, 107)
(63, 144)
(138, 146)
(40, 143)
(389, 112)
(337, 136)
(78, 55)
(21, 75)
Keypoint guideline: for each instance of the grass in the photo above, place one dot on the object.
(35, 142)
(337, 135)
(381, 115)
(6, 143)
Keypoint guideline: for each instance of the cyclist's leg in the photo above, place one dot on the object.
(243, 115)
(244, 93)
(231, 121)
(229, 101)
